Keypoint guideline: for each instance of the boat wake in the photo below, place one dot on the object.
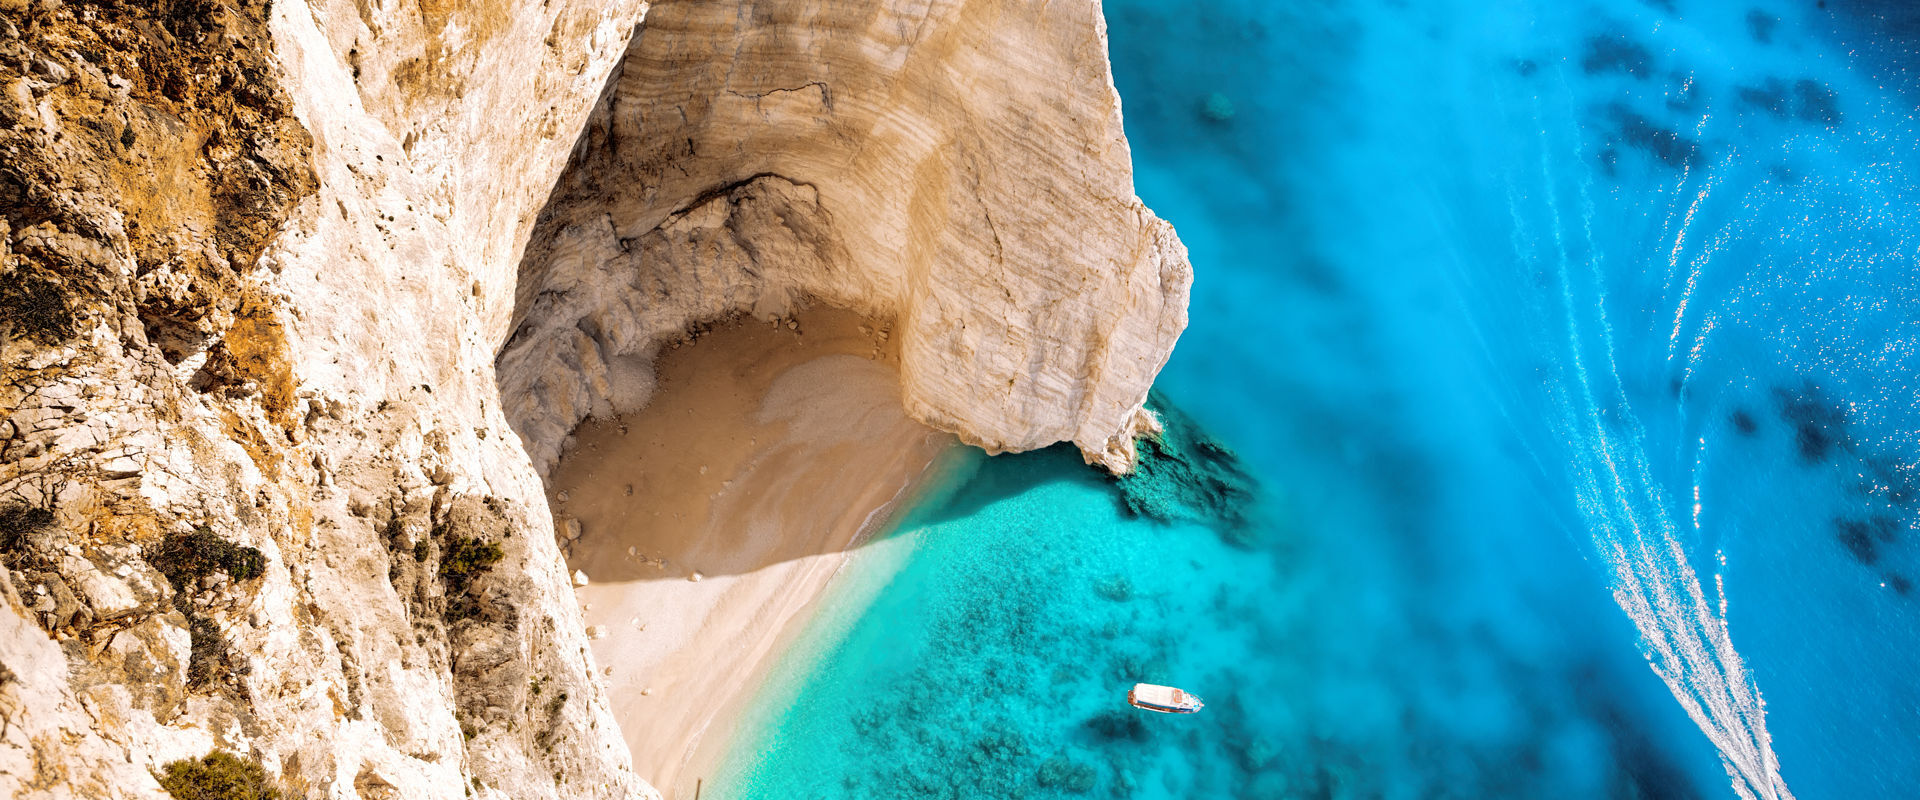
(1627, 514)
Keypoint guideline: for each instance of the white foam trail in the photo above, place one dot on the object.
(1683, 637)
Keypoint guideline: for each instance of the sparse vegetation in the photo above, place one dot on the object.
(462, 561)
(218, 776)
(186, 558)
(34, 305)
(17, 523)
(465, 560)
(208, 654)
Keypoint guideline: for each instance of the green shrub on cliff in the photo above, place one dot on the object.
(465, 560)
(187, 557)
(218, 776)
(207, 657)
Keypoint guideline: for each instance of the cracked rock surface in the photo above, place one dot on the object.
(255, 493)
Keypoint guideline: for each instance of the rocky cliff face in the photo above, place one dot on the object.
(261, 488)
(255, 490)
(958, 167)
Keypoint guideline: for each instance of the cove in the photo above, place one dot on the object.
(1570, 350)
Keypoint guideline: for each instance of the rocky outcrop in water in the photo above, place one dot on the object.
(261, 489)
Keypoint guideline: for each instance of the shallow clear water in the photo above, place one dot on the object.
(1573, 345)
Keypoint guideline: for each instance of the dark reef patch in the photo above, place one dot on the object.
(1184, 474)
(1760, 25)
(1806, 100)
(1647, 769)
(1617, 53)
(1900, 584)
(1743, 422)
(1890, 480)
(1770, 97)
(1819, 427)
(1664, 144)
(1816, 102)
(1863, 538)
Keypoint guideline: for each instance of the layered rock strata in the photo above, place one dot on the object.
(958, 167)
(261, 487)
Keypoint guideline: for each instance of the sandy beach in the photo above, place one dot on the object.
(711, 520)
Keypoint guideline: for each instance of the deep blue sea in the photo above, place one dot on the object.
(1573, 348)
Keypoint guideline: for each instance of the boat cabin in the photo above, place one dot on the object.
(1164, 699)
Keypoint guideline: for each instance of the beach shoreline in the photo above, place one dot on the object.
(735, 723)
(711, 521)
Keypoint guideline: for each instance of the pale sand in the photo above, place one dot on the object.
(764, 456)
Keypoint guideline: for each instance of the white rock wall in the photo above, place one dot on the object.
(438, 130)
(958, 166)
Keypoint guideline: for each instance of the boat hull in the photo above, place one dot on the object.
(1163, 699)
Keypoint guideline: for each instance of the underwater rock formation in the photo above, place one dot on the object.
(1184, 474)
(261, 489)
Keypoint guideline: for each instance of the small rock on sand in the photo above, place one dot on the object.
(695, 577)
(579, 577)
(564, 496)
(597, 632)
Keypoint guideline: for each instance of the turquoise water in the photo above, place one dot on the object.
(1572, 344)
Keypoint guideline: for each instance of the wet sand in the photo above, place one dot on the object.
(713, 518)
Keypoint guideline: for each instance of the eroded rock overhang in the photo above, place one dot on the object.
(959, 167)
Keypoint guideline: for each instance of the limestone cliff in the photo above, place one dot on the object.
(958, 167)
(275, 350)
(256, 492)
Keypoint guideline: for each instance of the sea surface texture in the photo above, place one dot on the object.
(1546, 428)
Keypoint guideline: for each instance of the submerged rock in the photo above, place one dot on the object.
(1184, 474)
(1218, 108)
